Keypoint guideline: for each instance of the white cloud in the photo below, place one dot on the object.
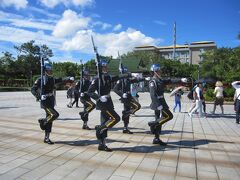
(16, 35)
(108, 44)
(44, 12)
(106, 26)
(102, 25)
(18, 4)
(50, 3)
(117, 27)
(160, 22)
(81, 3)
(20, 21)
(31, 24)
(70, 23)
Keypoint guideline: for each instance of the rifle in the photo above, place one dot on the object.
(121, 70)
(81, 78)
(42, 71)
(99, 68)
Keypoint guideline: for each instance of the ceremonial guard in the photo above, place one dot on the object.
(130, 105)
(159, 105)
(43, 89)
(85, 99)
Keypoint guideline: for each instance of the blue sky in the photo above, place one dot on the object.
(66, 25)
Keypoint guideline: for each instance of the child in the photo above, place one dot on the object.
(178, 95)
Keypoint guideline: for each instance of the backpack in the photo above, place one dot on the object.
(190, 95)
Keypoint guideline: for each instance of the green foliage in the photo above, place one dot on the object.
(209, 95)
(222, 64)
(66, 69)
(229, 93)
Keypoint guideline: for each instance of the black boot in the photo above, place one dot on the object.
(85, 126)
(237, 121)
(127, 131)
(159, 141)
(46, 139)
(102, 146)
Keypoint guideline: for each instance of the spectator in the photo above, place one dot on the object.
(219, 99)
(199, 98)
(76, 95)
(134, 91)
(70, 94)
(193, 98)
(178, 96)
(236, 85)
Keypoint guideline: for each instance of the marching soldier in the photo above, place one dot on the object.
(159, 105)
(47, 99)
(122, 88)
(109, 117)
(88, 105)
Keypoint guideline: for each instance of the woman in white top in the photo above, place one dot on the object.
(198, 100)
(219, 99)
(236, 85)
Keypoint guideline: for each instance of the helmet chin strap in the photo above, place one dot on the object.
(48, 74)
(156, 74)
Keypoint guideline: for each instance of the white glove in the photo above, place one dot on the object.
(124, 95)
(184, 80)
(160, 107)
(147, 78)
(43, 97)
(82, 94)
(103, 99)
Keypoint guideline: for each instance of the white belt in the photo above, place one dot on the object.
(49, 94)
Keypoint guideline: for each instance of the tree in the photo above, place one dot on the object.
(7, 65)
(29, 58)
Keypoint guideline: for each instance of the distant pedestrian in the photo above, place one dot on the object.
(134, 91)
(198, 98)
(70, 94)
(75, 95)
(236, 85)
(178, 96)
(219, 98)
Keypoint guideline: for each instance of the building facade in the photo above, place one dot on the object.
(187, 53)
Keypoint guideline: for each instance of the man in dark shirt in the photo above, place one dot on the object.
(47, 99)
(104, 103)
(88, 105)
(123, 89)
(159, 105)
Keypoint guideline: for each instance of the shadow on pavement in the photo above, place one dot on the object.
(66, 119)
(229, 116)
(148, 115)
(170, 146)
(86, 142)
(121, 128)
(8, 107)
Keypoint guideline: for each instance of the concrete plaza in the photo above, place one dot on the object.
(198, 148)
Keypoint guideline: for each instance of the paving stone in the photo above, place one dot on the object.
(11, 165)
(186, 170)
(39, 172)
(203, 175)
(13, 174)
